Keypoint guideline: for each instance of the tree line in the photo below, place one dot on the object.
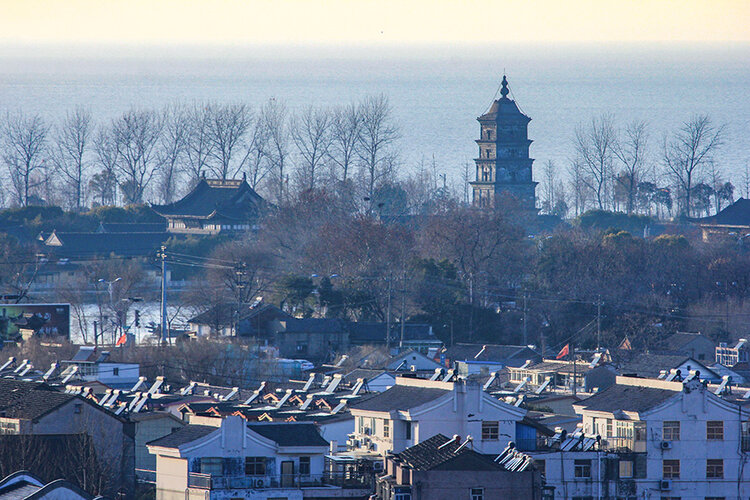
(157, 155)
(622, 168)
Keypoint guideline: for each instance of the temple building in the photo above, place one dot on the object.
(214, 206)
(503, 165)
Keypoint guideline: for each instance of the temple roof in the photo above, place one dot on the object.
(504, 106)
(212, 198)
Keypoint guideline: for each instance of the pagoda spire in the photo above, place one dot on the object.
(504, 91)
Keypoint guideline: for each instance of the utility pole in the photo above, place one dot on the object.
(598, 321)
(388, 318)
(164, 329)
(403, 314)
(575, 370)
(241, 272)
(525, 330)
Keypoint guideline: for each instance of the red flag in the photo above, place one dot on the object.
(563, 352)
(123, 338)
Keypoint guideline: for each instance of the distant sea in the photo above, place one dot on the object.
(436, 92)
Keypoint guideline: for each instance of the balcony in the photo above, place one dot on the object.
(330, 479)
(626, 444)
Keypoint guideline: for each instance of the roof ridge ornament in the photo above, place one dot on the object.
(504, 91)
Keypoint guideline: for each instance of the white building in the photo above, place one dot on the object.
(238, 460)
(657, 440)
(414, 410)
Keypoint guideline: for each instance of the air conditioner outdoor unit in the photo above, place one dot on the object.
(377, 466)
(666, 445)
(665, 484)
(368, 431)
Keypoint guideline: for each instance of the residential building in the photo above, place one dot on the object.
(253, 461)
(150, 426)
(38, 410)
(310, 338)
(415, 336)
(664, 439)
(563, 375)
(693, 345)
(730, 224)
(91, 365)
(214, 206)
(470, 359)
(730, 356)
(649, 365)
(415, 409)
(442, 468)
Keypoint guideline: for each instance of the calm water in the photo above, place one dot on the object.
(436, 93)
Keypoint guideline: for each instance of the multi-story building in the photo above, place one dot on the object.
(646, 438)
(252, 461)
(414, 410)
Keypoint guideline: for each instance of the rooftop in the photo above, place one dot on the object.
(401, 397)
(290, 434)
(187, 434)
(442, 453)
(632, 398)
(736, 214)
(231, 199)
(29, 400)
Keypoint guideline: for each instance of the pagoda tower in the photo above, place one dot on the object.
(503, 165)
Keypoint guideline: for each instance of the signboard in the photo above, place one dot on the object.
(17, 320)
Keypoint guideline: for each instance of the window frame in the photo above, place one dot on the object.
(670, 430)
(305, 463)
(715, 470)
(256, 464)
(714, 432)
(673, 466)
(582, 468)
(490, 430)
(476, 493)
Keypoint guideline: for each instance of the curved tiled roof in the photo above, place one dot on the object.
(211, 198)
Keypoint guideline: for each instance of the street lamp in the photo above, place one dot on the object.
(111, 300)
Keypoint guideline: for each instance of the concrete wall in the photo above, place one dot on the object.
(449, 485)
(150, 429)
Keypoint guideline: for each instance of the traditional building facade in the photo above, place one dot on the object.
(504, 166)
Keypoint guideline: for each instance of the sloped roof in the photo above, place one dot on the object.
(736, 214)
(504, 108)
(400, 397)
(505, 354)
(650, 364)
(373, 332)
(132, 227)
(626, 398)
(679, 340)
(90, 244)
(313, 325)
(186, 434)
(435, 454)
(29, 400)
(231, 199)
(290, 434)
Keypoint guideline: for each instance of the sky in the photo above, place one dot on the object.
(369, 22)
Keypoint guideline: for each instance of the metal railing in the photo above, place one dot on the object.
(342, 480)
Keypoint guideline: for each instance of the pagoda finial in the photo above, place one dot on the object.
(504, 91)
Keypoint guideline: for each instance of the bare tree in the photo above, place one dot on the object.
(198, 144)
(70, 153)
(276, 124)
(745, 180)
(256, 163)
(578, 186)
(172, 146)
(24, 152)
(346, 124)
(311, 134)
(594, 148)
(549, 184)
(630, 150)
(376, 139)
(136, 136)
(228, 126)
(103, 185)
(689, 151)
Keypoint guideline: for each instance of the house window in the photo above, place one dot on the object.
(626, 469)
(212, 466)
(490, 431)
(541, 466)
(407, 430)
(609, 427)
(582, 468)
(78, 408)
(715, 468)
(116, 372)
(670, 469)
(402, 496)
(715, 430)
(304, 466)
(255, 466)
(361, 425)
(477, 494)
(302, 347)
(386, 428)
(670, 430)
(715, 498)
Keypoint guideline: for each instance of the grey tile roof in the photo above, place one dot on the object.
(678, 341)
(736, 214)
(649, 365)
(290, 434)
(29, 400)
(184, 435)
(428, 455)
(626, 398)
(507, 354)
(400, 397)
(229, 199)
(123, 244)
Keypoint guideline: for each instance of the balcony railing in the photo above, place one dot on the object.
(624, 444)
(342, 480)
